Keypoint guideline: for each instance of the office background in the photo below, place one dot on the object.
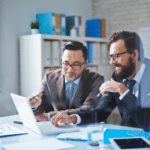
(16, 16)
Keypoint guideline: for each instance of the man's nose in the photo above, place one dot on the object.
(111, 61)
(70, 68)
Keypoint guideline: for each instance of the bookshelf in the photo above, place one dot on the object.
(40, 53)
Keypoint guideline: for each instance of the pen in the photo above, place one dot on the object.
(99, 94)
(73, 139)
(34, 96)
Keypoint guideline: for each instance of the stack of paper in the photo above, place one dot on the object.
(8, 130)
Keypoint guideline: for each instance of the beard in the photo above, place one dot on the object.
(126, 71)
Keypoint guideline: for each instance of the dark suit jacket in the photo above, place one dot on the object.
(135, 112)
(53, 93)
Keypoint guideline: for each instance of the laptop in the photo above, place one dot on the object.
(27, 117)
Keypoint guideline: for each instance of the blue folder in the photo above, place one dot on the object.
(63, 24)
(46, 23)
(90, 52)
(93, 28)
(120, 133)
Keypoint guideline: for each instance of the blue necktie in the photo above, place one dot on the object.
(130, 84)
(71, 90)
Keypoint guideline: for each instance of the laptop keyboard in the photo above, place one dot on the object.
(46, 127)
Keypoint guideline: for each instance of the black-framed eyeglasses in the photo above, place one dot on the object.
(116, 56)
(74, 67)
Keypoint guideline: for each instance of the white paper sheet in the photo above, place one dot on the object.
(82, 135)
(73, 136)
(47, 144)
(7, 130)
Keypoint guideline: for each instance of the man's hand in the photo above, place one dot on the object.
(35, 100)
(63, 118)
(112, 86)
(42, 117)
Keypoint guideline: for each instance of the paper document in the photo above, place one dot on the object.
(8, 130)
(47, 144)
(73, 136)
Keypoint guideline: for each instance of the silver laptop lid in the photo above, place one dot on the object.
(25, 112)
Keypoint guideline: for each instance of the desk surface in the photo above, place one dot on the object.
(32, 136)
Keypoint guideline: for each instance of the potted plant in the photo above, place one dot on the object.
(34, 27)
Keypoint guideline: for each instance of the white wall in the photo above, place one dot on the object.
(15, 18)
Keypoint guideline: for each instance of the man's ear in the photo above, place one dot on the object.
(86, 63)
(136, 54)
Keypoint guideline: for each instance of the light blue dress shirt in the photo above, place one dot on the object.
(76, 82)
(67, 87)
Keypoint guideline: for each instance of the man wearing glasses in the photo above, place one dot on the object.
(129, 88)
(70, 90)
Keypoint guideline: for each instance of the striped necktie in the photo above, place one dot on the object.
(130, 84)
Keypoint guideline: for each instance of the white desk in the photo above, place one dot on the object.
(32, 136)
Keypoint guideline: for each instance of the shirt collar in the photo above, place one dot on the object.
(75, 81)
(138, 76)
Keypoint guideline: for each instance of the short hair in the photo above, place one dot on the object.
(132, 41)
(76, 46)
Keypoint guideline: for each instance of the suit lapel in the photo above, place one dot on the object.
(61, 88)
(78, 95)
(144, 88)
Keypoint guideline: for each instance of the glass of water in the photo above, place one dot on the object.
(95, 134)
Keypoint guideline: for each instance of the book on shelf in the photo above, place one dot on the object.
(90, 52)
(104, 53)
(74, 22)
(57, 27)
(46, 23)
(55, 53)
(103, 28)
(47, 53)
(63, 24)
(96, 53)
(93, 28)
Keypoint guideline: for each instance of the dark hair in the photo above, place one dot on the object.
(132, 41)
(76, 46)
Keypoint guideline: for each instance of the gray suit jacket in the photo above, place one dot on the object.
(53, 93)
(134, 111)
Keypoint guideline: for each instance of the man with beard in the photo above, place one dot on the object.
(71, 89)
(129, 88)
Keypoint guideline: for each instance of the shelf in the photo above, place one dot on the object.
(38, 55)
(68, 38)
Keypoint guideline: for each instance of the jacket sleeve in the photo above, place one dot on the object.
(45, 96)
(140, 115)
(101, 112)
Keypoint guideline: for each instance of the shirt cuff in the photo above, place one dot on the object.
(78, 119)
(34, 109)
(124, 94)
(49, 117)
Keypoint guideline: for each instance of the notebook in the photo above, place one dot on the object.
(27, 116)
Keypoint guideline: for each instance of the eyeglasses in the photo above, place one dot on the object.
(115, 56)
(74, 67)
